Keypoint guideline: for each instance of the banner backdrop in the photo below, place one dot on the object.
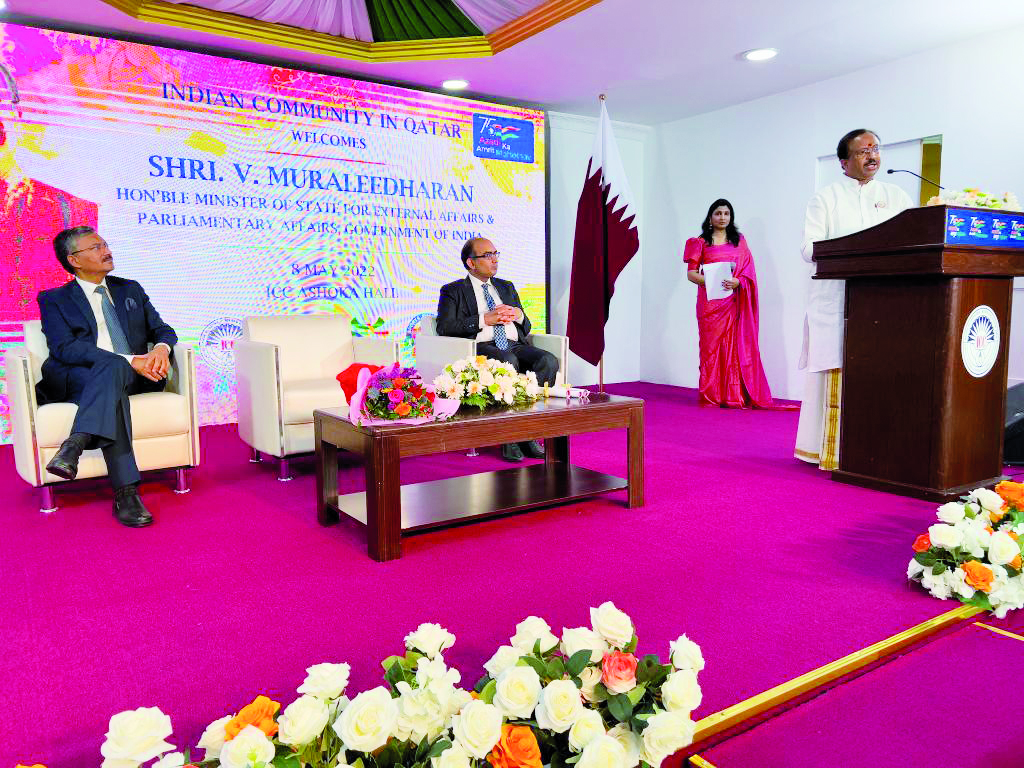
(228, 188)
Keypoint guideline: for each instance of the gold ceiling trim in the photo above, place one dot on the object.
(283, 36)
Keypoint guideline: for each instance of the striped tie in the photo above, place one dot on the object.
(117, 337)
(500, 339)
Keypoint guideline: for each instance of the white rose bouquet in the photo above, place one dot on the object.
(482, 382)
(583, 698)
(974, 552)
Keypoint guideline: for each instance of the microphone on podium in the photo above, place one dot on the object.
(922, 178)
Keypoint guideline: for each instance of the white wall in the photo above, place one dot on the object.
(572, 139)
(762, 156)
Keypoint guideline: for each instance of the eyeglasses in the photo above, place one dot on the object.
(97, 247)
(492, 255)
(867, 151)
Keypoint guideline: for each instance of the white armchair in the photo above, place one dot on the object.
(434, 352)
(285, 368)
(165, 425)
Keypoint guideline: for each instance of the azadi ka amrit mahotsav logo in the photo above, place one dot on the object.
(502, 138)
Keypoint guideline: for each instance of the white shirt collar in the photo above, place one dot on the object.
(477, 280)
(90, 288)
(851, 183)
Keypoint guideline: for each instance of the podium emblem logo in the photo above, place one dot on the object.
(979, 342)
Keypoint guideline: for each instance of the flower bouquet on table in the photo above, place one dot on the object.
(395, 395)
(974, 552)
(972, 197)
(584, 699)
(482, 382)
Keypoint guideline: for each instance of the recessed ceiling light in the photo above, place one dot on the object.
(760, 54)
(455, 85)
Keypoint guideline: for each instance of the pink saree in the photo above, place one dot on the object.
(730, 361)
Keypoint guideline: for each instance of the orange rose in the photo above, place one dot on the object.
(1012, 493)
(978, 575)
(517, 748)
(922, 543)
(402, 409)
(1013, 535)
(260, 713)
(618, 671)
(1015, 563)
(399, 382)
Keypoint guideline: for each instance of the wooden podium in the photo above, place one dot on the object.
(928, 298)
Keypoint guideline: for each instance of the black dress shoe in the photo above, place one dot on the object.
(129, 509)
(511, 452)
(532, 449)
(65, 462)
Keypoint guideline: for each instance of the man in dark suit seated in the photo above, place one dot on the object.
(486, 308)
(98, 328)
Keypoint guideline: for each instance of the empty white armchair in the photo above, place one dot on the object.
(165, 425)
(286, 366)
(434, 352)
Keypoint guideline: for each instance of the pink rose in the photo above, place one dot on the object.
(618, 671)
(396, 395)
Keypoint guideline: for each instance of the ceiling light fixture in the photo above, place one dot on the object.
(455, 85)
(760, 54)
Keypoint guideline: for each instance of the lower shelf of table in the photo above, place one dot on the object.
(440, 503)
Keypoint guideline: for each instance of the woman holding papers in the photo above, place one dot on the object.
(719, 262)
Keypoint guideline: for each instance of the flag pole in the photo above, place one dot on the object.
(600, 363)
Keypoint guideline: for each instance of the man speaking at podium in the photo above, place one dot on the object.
(854, 203)
(485, 308)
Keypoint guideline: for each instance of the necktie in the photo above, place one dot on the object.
(500, 339)
(117, 337)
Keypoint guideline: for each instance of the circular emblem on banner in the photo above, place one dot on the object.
(217, 342)
(979, 342)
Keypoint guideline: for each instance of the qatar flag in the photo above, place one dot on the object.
(606, 239)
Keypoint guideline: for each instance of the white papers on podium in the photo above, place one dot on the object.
(714, 273)
(570, 393)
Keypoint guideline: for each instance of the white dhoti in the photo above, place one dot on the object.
(817, 435)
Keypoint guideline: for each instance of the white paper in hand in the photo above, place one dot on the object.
(714, 273)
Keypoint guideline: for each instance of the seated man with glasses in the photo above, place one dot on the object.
(98, 329)
(486, 308)
(855, 202)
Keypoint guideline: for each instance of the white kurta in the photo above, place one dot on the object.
(842, 208)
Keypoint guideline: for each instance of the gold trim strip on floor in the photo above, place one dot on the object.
(699, 762)
(773, 697)
(999, 631)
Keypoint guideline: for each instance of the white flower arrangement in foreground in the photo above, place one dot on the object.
(974, 552)
(583, 699)
(974, 198)
(482, 382)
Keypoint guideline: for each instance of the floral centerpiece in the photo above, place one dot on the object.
(397, 394)
(974, 198)
(482, 381)
(583, 699)
(974, 552)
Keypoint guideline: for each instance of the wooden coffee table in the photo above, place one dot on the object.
(388, 508)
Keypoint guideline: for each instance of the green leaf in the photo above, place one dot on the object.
(635, 694)
(439, 747)
(620, 707)
(926, 559)
(937, 569)
(577, 662)
(556, 669)
(980, 600)
(481, 683)
(487, 694)
(394, 675)
(287, 761)
(386, 664)
(647, 667)
(539, 666)
(631, 645)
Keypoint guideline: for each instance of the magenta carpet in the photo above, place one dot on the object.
(765, 562)
(945, 705)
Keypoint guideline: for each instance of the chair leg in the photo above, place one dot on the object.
(283, 470)
(254, 456)
(47, 500)
(181, 481)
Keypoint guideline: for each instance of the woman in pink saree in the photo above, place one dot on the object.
(731, 374)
